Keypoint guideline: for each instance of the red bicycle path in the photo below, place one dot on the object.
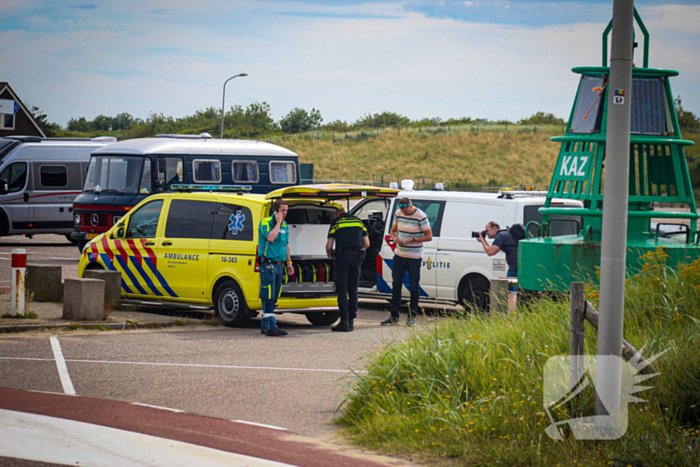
(225, 435)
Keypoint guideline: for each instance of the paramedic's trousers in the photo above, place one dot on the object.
(271, 277)
(399, 268)
(347, 280)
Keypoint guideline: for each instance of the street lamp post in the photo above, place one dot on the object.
(223, 100)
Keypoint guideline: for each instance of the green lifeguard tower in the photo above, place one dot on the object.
(658, 173)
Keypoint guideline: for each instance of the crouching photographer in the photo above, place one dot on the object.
(350, 237)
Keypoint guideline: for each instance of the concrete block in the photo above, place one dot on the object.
(113, 286)
(83, 299)
(44, 282)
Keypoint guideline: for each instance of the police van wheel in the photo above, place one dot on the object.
(230, 305)
(474, 292)
(323, 319)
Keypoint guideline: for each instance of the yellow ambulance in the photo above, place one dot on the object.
(198, 249)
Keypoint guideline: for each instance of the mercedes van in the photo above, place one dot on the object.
(124, 174)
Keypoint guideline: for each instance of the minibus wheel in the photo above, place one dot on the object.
(323, 319)
(474, 293)
(230, 305)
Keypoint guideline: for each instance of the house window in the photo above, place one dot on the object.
(206, 171)
(7, 122)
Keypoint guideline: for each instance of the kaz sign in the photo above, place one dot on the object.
(8, 107)
(575, 166)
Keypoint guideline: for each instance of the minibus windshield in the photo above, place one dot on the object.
(116, 174)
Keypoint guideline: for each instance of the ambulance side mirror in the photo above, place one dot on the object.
(120, 231)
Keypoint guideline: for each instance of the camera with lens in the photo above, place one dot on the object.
(476, 234)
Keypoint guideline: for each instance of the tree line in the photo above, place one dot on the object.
(255, 121)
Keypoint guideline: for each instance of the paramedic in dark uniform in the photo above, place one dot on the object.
(273, 248)
(350, 237)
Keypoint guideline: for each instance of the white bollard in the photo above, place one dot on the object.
(19, 273)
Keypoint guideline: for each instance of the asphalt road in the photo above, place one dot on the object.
(296, 382)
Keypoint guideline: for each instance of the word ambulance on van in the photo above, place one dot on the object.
(455, 268)
(129, 171)
(199, 250)
(39, 179)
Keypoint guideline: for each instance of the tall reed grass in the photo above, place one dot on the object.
(469, 389)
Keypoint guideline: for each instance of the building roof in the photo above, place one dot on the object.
(22, 108)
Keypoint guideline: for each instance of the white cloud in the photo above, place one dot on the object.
(364, 59)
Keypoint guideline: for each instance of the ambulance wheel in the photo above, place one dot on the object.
(474, 293)
(323, 319)
(230, 305)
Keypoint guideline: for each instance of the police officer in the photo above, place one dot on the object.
(350, 237)
(273, 248)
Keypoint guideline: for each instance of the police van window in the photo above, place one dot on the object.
(206, 171)
(169, 172)
(432, 209)
(53, 175)
(233, 222)
(560, 225)
(143, 223)
(15, 175)
(245, 172)
(189, 219)
(146, 177)
(282, 172)
(373, 208)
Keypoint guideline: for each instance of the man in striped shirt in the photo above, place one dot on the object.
(409, 230)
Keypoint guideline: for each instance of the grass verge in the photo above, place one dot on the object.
(469, 390)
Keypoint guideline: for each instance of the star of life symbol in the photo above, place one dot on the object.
(569, 388)
(236, 224)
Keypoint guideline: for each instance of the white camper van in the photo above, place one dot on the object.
(455, 268)
(39, 179)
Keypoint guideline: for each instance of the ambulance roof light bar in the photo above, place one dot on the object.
(210, 188)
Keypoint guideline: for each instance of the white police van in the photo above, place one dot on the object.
(39, 179)
(455, 268)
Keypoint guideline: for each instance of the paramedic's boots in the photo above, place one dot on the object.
(275, 332)
(343, 326)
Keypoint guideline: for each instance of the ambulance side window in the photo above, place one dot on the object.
(233, 222)
(144, 222)
(189, 219)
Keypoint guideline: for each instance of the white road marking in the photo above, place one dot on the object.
(260, 424)
(65, 259)
(61, 365)
(159, 407)
(193, 365)
(67, 442)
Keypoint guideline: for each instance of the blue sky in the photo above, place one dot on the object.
(447, 59)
